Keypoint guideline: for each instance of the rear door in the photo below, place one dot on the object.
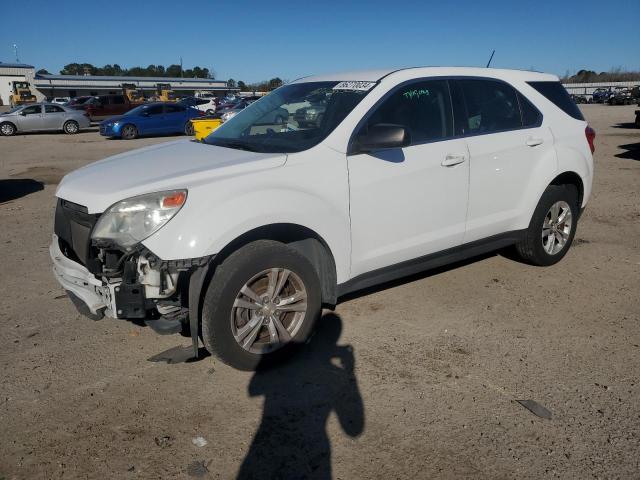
(53, 117)
(175, 118)
(30, 118)
(506, 143)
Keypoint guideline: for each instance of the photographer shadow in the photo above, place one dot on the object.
(299, 396)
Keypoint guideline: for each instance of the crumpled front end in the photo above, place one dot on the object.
(102, 279)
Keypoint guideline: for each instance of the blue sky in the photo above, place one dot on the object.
(261, 40)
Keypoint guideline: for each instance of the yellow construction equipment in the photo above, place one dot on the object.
(164, 93)
(133, 94)
(21, 94)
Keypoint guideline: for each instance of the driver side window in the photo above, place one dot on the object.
(423, 108)
(32, 110)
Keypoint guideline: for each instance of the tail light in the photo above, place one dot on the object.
(200, 113)
(590, 133)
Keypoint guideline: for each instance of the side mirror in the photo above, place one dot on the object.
(382, 136)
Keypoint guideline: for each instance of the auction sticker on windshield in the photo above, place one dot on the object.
(359, 86)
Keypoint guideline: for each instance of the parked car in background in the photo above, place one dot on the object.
(162, 118)
(105, 106)
(42, 117)
(206, 105)
(621, 96)
(238, 105)
(277, 116)
(578, 99)
(600, 95)
(312, 115)
(243, 239)
(78, 101)
(60, 100)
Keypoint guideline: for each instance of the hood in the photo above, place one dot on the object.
(113, 119)
(168, 166)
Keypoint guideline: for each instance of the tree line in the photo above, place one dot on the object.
(590, 76)
(174, 71)
(116, 70)
(264, 86)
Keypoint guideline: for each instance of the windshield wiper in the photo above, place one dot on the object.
(237, 146)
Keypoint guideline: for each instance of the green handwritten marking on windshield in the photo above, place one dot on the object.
(417, 93)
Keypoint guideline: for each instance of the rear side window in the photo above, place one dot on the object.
(424, 108)
(118, 100)
(531, 116)
(173, 108)
(556, 93)
(53, 109)
(492, 106)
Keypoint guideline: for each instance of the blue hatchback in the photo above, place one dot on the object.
(161, 118)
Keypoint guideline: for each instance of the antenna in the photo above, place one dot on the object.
(490, 58)
(15, 51)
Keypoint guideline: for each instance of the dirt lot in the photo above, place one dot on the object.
(427, 388)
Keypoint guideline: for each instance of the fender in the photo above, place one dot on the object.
(231, 216)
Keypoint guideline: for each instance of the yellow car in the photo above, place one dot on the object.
(204, 126)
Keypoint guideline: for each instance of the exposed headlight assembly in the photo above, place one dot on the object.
(132, 220)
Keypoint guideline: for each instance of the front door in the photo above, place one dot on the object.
(30, 118)
(409, 202)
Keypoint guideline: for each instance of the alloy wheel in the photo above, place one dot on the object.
(7, 129)
(556, 228)
(269, 310)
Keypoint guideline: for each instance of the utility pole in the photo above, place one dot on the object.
(15, 51)
(181, 75)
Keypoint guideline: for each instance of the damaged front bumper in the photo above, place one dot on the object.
(96, 295)
(161, 293)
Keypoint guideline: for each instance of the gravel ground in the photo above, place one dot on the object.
(417, 379)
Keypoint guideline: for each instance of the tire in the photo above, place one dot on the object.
(637, 121)
(210, 112)
(222, 318)
(7, 129)
(279, 120)
(544, 250)
(129, 132)
(188, 129)
(71, 127)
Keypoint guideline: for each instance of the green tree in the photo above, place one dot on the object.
(43, 71)
(242, 86)
(173, 71)
(231, 83)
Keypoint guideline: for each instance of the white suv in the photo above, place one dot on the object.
(243, 238)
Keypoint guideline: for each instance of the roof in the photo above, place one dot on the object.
(123, 79)
(377, 75)
(15, 65)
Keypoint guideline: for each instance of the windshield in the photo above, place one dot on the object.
(282, 121)
(15, 109)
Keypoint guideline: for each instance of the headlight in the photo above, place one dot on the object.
(134, 219)
(311, 113)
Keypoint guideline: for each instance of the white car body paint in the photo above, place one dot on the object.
(372, 212)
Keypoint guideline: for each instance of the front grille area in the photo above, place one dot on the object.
(73, 225)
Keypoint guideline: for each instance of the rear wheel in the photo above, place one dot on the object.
(638, 121)
(210, 112)
(71, 127)
(262, 301)
(129, 132)
(7, 129)
(552, 227)
(188, 129)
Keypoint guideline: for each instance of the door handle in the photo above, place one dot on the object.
(453, 159)
(532, 142)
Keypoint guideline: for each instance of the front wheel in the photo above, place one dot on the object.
(262, 301)
(637, 121)
(7, 129)
(129, 132)
(71, 127)
(188, 128)
(552, 227)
